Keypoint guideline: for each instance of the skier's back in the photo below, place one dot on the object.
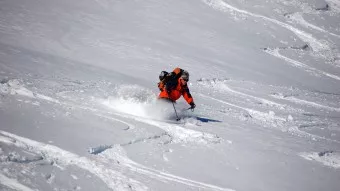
(173, 85)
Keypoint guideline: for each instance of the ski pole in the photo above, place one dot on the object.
(173, 106)
(175, 110)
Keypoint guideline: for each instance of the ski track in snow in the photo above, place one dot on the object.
(304, 102)
(129, 125)
(178, 133)
(102, 114)
(220, 85)
(306, 37)
(261, 116)
(262, 100)
(271, 120)
(327, 158)
(12, 183)
(295, 130)
(311, 70)
(113, 179)
(298, 18)
(14, 87)
(315, 44)
(101, 166)
(116, 153)
(181, 134)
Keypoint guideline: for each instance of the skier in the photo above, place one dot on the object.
(174, 84)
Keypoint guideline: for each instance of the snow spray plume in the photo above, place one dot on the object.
(138, 101)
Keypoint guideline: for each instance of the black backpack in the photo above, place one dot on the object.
(168, 80)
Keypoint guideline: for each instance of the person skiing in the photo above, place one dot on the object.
(173, 85)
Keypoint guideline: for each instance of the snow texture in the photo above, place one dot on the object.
(79, 107)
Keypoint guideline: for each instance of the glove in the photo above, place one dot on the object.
(192, 104)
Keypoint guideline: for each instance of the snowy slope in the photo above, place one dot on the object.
(78, 107)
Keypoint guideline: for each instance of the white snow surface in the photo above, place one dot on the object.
(79, 107)
(12, 184)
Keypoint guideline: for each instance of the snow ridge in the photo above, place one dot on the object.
(219, 84)
(327, 158)
(298, 18)
(114, 179)
(313, 42)
(117, 153)
(261, 116)
(305, 102)
(13, 184)
(179, 134)
(311, 70)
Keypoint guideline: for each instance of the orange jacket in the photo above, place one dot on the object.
(176, 92)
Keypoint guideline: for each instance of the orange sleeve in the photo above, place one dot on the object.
(186, 94)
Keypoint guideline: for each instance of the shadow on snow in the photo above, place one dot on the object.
(207, 120)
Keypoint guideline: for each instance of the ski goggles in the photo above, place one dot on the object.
(185, 79)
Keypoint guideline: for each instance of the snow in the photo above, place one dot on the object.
(79, 107)
(328, 158)
(62, 157)
(13, 184)
(316, 44)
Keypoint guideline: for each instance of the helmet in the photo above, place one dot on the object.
(162, 75)
(185, 75)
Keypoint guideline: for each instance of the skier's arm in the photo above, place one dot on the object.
(187, 96)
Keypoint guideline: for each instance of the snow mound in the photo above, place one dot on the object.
(108, 174)
(17, 87)
(328, 158)
(14, 87)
